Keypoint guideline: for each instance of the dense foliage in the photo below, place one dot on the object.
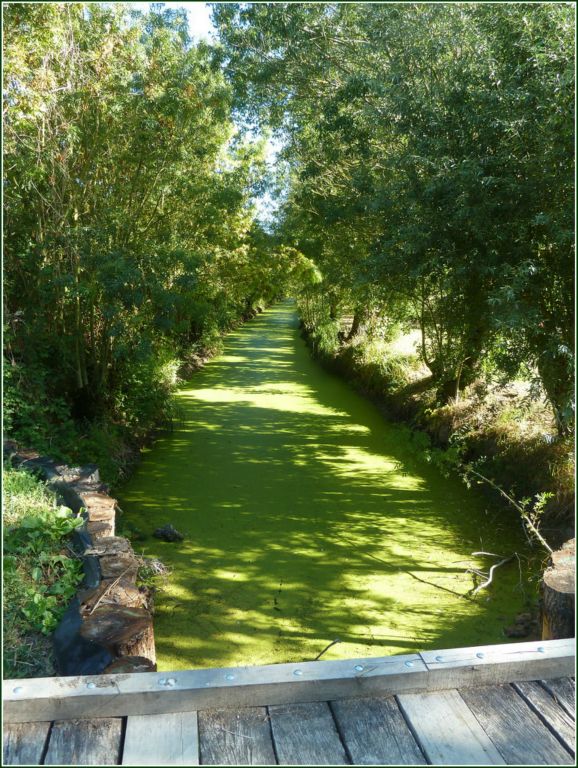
(41, 573)
(428, 150)
(130, 232)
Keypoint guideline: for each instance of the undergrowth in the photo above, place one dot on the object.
(138, 402)
(501, 430)
(41, 573)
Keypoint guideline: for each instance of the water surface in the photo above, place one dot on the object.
(307, 517)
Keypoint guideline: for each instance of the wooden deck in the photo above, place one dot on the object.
(509, 704)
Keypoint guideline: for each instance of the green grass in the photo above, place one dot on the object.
(307, 517)
(39, 576)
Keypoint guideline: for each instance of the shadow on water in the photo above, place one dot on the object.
(307, 517)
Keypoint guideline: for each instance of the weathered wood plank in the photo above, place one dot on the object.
(85, 742)
(305, 734)
(497, 664)
(117, 695)
(24, 743)
(447, 731)
(515, 730)
(563, 689)
(161, 740)
(236, 737)
(375, 732)
(542, 703)
(60, 698)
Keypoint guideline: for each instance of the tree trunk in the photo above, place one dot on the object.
(358, 318)
(558, 589)
(556, 377)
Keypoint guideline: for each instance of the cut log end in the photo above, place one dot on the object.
(558, 590)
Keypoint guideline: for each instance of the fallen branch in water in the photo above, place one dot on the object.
(438, 586)
(333, 642)
(490, 574)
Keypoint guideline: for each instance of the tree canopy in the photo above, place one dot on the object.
(130, 226)
(430, 152)
(428, 179)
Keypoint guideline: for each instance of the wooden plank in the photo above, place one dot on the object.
(447, 731)
(563, 689)
(375, 732)
(305, 734)
(236, 737)
(150, 693)
(24, 743)
(515, 730)
(497, 664)
(161, 740)
(542, 703)
(85, 742)
(60, 698)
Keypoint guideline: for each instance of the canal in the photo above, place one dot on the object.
(307, 517)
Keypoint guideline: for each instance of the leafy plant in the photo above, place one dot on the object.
(40, 575)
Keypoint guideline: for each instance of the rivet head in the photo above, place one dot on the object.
(358, 667)
(439, 658)
(297, 672)
(171, 682)
(229, 676)
(541, 649)
(163, 681)
(91, 685)
(409, 663)
(480, 655)
(18, 689)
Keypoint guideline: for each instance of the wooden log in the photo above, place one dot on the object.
(115, 565)
(99, 503)
(100, 529)
(558, 590)
(109, 545)
(113, 592)
(142, 645)
(111, 625)
(130, 664)
(101, 510)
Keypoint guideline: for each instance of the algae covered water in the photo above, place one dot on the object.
(308, 518)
